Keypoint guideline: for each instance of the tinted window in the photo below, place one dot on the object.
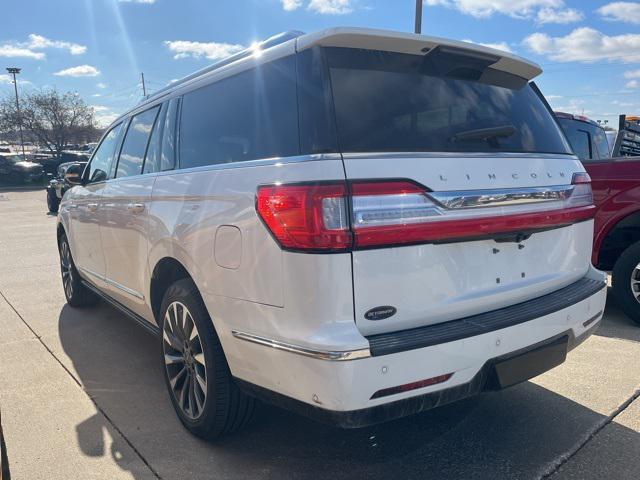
(135, 143)
(168, 162)
(152, 159)
(101, 161)
(248, 116)
(439, 102)
(588, 141)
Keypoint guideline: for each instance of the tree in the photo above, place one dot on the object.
(50, 118)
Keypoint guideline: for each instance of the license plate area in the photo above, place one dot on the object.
(529, 364)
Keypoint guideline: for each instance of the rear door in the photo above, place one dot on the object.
(461, 184)
(126, 205)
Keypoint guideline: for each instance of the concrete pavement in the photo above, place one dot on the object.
(82, 397)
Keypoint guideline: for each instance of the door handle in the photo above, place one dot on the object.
(135, 207)
(92, 207)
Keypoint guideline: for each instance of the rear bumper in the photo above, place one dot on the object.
(344, 392)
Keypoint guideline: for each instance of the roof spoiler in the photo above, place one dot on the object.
(414, 44)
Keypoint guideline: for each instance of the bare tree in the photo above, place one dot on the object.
(50, 118)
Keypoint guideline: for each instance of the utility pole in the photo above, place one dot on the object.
(144, 87)
(418, 16)
(14, 71)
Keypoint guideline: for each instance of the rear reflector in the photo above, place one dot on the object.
(407, 387)
(341, 216)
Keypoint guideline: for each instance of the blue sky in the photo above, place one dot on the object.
(590, 50)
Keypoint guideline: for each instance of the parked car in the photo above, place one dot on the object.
(59, 185)
(353, 224)
(15, 170)
(50, 162)
(616, 191)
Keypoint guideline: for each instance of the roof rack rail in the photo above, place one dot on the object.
(268, 43)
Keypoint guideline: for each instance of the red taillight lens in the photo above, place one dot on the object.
(306, 216)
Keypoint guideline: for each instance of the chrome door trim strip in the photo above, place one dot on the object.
(336, 356)
(119, 286)
(389, 155)
(500, 197)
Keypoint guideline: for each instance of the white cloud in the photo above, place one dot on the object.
(497, 45)
(290, 5)
(79, 71)
(101, 85)
(99, 108)
(210, 50)
(30, 48)
(38, 42)
(486, 8)
(621, 12)
(550, 15)
(586, 45)
(632, 84)
(106, 119)
(553, 97)
(14, 51)
(147, 2)
(331, 7)
(6, 79)
(632, 74)
(96, 95)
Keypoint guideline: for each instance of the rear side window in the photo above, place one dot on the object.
(135, 143)
(102, 158)
(251, 115)
(588, 141)
(152, 160)
(439, 102)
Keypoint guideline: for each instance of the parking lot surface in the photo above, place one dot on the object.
(82, 397)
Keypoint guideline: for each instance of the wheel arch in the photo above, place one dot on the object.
(166, 271)
(617, 238)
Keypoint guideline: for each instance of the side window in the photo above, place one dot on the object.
(152, 160)
(101, 160)
(600, 144)
(579, 140)
(168, 159)
(249, 116)
(135, 143)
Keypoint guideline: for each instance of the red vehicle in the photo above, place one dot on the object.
(616, 192)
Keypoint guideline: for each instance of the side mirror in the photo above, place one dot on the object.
(73, 174)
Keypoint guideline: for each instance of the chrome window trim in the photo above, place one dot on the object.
(500, 197)
(335, 356)
(388, 155)
(119, 286)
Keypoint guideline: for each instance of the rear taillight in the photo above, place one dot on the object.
(306, 216)
(340, 216)
(581, 194)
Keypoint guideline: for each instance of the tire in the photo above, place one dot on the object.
(53, 202)
(75, 292)
(193, 356)
(626, 281)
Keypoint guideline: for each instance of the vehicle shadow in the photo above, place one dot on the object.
(516, 433)
(616, 324)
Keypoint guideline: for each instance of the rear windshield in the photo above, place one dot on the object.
(589, 142)
(439, 102)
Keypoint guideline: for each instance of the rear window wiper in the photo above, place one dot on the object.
(484, 134)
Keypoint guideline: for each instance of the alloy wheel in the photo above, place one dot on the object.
(184, 360)
(66, 268)
(635, 282)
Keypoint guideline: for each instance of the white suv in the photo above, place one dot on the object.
(353, 224)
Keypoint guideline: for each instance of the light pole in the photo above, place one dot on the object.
(418, 16)
(14, 71)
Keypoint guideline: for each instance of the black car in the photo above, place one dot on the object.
(59, 185)
(50, 162)
(15, 170)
